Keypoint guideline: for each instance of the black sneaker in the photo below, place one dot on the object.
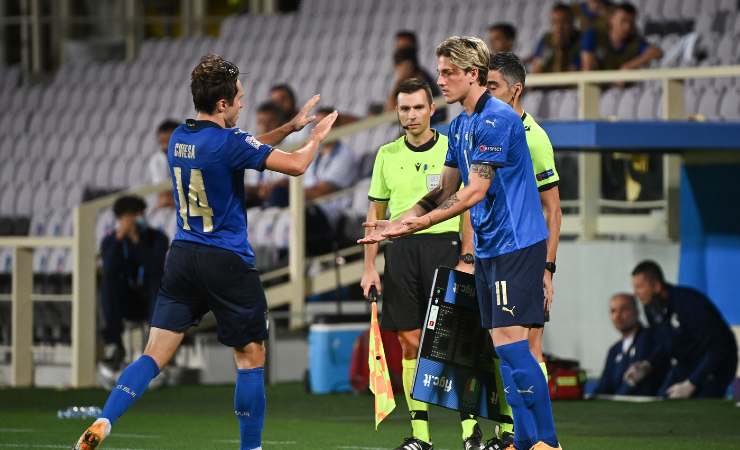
(474, 442)
(414, 444)
(506, 442)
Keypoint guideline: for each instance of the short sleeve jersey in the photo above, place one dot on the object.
(543, 157)
(509, 217)
(207, 164)
(403, 174)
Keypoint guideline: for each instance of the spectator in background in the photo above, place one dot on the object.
(133, 262)
(159, 171)
(406, 66)
(406, 39)
(258, 185)
(284, 96)
(619, 47)
(592, 14)
(637, 343)
(698, 341)
(559, 50)
(501, 37)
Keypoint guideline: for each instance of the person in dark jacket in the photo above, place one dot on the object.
(637, 344)
(696, 339)
(133, 262)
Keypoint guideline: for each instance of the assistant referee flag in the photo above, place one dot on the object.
(380, 382)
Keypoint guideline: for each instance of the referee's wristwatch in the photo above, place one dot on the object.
(467, 258)
(550, 267)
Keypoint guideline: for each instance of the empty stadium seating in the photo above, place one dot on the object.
(92, 125)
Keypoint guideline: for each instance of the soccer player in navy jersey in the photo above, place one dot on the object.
(210, 266)
(488, 152)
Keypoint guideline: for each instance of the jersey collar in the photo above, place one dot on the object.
(482, 101)
(195, 125)
(425, 146)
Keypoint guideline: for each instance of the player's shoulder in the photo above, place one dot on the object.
(237, 137)
(497, 114)
(391, 147)
(533, 128)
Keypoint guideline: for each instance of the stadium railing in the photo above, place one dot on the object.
(587, 224)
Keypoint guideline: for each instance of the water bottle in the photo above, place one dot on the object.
(79, 412)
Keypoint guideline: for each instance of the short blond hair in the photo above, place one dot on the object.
(467, 52)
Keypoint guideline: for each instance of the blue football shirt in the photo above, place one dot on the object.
(509, 217)
(207, 164)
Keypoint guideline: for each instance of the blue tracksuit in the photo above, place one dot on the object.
(618, 361)
(697, 340)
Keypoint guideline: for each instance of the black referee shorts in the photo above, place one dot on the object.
(410, 263)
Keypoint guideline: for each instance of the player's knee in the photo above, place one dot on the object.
(250, 356)
(409, 341)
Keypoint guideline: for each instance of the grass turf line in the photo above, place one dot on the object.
(201, 417)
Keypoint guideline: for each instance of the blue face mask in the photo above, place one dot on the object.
(141, 222)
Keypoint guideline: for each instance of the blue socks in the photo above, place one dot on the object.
(532, 388)
(525, 429)
(249, 406)
(131, 385)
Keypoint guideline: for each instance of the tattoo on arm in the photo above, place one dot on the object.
(483, 170)
(449, 202)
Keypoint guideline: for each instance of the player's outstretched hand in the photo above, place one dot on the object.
(322, 128)
(304, 116)
(375, 229)
(411, 225)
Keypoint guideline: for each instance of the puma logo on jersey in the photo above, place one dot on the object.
(529, 390)
(509, 310)
(491, 122)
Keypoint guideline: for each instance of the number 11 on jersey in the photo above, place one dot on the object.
(197, 201)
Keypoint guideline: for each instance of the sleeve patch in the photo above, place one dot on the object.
(489, 148)
(545, 175)
(251, 140)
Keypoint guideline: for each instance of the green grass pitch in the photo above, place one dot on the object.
(196, 417)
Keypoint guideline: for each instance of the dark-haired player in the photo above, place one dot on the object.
(211, 264)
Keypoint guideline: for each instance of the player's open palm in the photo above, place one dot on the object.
(304, 116)
(374, 231)
(321, 130)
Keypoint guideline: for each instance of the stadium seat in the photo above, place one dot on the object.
(567, 108)
(708, 105)
(729, 107)
(627, 106)
(648, 103)
(609, 101)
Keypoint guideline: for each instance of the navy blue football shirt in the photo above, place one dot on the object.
(207, 164)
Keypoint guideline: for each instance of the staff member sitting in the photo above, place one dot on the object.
(637, 343)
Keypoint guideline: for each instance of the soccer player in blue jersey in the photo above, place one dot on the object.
(211, 264)
(488, 152)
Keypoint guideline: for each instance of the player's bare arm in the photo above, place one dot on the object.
(456, 203)
(448, 185)
(370, 276)
(303, 118)
(550, 199)
(466, 243)
(296, 163)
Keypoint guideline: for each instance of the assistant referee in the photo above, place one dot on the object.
(404, 171)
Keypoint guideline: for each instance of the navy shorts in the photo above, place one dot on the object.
(200, 278)
(510, 288)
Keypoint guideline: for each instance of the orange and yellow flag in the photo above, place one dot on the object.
(380, 382)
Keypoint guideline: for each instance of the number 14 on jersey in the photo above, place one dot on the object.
(197, 201)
